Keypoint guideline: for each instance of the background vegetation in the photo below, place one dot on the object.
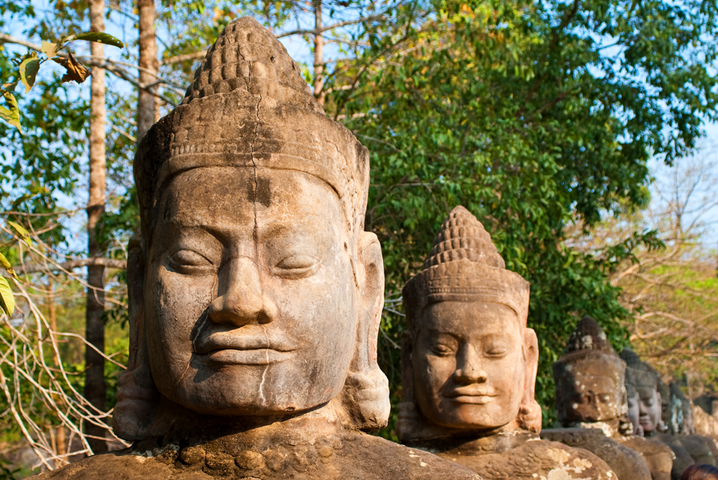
(541, 117)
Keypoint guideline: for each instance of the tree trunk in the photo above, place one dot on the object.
(147, 103)
(318, 53)
(94, 322)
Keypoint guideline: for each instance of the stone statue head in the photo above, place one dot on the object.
(633, 413)
(680, 418)
(254, 290)
(589, 378)
(645, 381)
(468, 361)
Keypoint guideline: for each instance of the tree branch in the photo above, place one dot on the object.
(69, 265)
(107, 64)
(183, 58)
(317, 31)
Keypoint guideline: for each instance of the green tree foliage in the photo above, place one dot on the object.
(532, 115)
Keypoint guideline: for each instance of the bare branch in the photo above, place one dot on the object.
(331, 27)
(81, 262)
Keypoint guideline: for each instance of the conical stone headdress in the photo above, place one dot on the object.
(464, 265)
(248, 106)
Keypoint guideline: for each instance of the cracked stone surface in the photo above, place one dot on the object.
(255, 295)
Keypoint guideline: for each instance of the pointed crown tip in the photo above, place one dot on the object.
(462, 236)
(246, 56)
(588, 335)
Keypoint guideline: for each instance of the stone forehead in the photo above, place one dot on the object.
(641, 378)
(598, 362)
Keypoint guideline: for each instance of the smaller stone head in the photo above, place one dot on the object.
(681, 414)
(633, 412)
(589, 378)
(645, 380)
(468, 362)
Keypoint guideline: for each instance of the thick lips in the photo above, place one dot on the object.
(470, 395)
(243, 347)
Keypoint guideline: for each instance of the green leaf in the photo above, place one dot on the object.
(28, 70)
(6, 265)
(100, 37)
(12, 114)
(24, 234)
(7, 301)
(10, 87)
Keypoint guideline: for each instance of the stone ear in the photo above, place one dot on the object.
(529, 417)
(365, 396)
(137, 395)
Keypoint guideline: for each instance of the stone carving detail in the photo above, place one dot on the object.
(591, 394)
(661, 411)
(469, 364)
(255, 294)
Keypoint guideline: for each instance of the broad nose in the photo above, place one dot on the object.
(469, 367)
(241, 299)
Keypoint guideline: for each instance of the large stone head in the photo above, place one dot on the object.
(644, 380)
(589, 380)
(468, 361)
(254, 289)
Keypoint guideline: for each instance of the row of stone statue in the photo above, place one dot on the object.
(256, 297)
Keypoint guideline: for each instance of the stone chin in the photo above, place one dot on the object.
(253, 390)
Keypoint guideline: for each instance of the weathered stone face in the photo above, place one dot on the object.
(590, 396)
(589, 380)
(633, 413)
(249, 291)
(469, 366)
(649, 408)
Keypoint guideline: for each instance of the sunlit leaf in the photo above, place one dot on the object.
(6, 265)
(10, 87)
(49, 49)
(76, 71)
(28, 70)
(7, 301)
(100, 37)
(24, 234)
(11, 113)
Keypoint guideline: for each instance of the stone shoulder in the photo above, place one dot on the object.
(535, 459)
(353, 455)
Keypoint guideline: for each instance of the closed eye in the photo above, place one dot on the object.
(441, 349)
(497, 352)
(188, 262)
(297, 266)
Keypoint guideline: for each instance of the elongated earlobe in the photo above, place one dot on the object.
(529, 417)
(365, 396)
(137, 395)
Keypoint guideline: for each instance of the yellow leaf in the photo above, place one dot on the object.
(11, 113)
(75, 70)
(24, 234)
(6, 265)
(49, 49)
(7, 301)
